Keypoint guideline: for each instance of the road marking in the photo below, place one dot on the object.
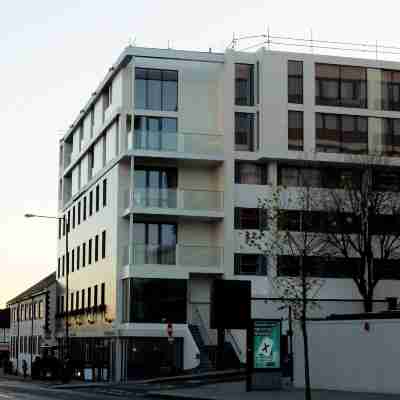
(5, 396)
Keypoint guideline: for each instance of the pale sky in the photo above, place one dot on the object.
(54, 54)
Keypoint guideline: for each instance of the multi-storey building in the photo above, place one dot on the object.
(160, 175)
(4, 335)
(32, 325)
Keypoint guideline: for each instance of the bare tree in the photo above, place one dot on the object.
(365, 224)
(293, 282)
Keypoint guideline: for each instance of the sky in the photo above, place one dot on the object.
(53, 54)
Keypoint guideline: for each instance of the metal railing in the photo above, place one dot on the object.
(199, 321)
(234, 342)
(177, 142)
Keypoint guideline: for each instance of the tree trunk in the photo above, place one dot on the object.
(306, 359)
(368, 303)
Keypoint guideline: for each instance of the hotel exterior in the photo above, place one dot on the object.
(159, 178)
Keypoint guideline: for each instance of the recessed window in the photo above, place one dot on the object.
(79, 213)
(244, 132)
(73, 217)
(250, 264)
(295, 82)
(97, 198)
(244, 84)
(156, 89)
(84, 209)
(251, 173)
(104, 192)
(78, 257)
(250, 218)
(390, 90)
(295, 130)
(83, 255)
(96, 248)
(103, 294)
(90, 252)
(91, 203)
(103, 244)
(73, 260)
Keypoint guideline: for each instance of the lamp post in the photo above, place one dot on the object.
(66, 225)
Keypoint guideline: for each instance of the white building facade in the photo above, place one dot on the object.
(159, 178)
(32, 322)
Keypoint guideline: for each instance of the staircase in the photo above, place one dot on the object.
(207, 353)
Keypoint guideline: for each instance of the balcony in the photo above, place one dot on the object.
(187, 145)
(178, 255)
(178, 202)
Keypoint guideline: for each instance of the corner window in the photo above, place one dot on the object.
(244, 84)
(295, 131)
(295, 82)
(244, 132)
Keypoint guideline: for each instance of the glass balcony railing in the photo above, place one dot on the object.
(178, 199)
(174, 254)
(193, 143)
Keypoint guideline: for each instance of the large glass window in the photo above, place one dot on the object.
(154, 243)
(295, 82)
(340, 85)
(390, 136)
(244, 132)
(391, 90)
(154, 300)
(251, 173)
(244, 84)
(156, 89)
(295, 130)
(155, 133)
(341, 134)
(250, 264)
(250, 218)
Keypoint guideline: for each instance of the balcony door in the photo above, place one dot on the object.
(155, 187)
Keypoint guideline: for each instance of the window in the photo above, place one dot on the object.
(104, 192)
(103, 244)
(390, 136)
(78, 258)
(83, 298)
(386, 180)
(107, 97)
(67, 262)
(68, 221)
(63, 265)
(97, 198)
(89, 297)
(72, 301)
(63, 228)
(150, 185)
(83, 255)
(295, 130)
(91, 203)
(140, 304)
(341, 134)
(154, 243)
(95, 294)
(390, 90)
(73, 217)
(340, 85)
(84, 209)
(77, 300)
(103, 294)
(59, 268)
(90, 252)
(59, 228)
(250, 264)
(251, 173)
(155, 133)
(96, 248)
(250, 218)
(79, 213)
(244, 84)
(156, 89)
(73, 260)
(62, 304)
(244, 132)
(295, 82)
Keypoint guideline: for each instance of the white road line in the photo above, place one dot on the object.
(5, 396)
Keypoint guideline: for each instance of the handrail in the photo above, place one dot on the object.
(203, 327)
(236, 345)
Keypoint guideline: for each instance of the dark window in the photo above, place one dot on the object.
(83, 255)
(96, 248)
(67, 262)
(63, 228)
(154, 243)
(84, 209)
(59, 268)
(251, 173)
(295, 130)
(62, 304)
(78, 258)
(340, 85)
(295, 81)
(104, 192)
(341, 134)
(83, 298)
(103, 244)
(103, 294)
(318, 267)
(390, 136)
(391, 90)
(63, 265)
(69, 220)
(71, 305)
(73, 260)
(91, 203)
(250, 264)
(73, 217)
(79, 213)
(244, 132)
(250, 218)
(386, 180)
(89, 297)
(95, 294)
(141, 305)
(77, 300)
(90, 252)
(156, 133)
(59, 228)
(97, 198)
(156, 89)
(244, 84)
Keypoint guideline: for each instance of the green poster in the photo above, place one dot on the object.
(267, 344)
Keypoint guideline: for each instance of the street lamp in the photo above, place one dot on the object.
(66, 224)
